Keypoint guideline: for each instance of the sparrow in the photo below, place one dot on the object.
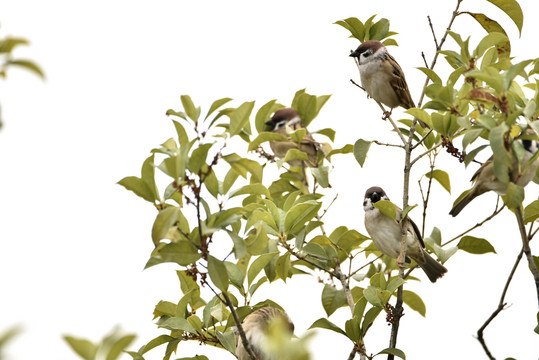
(386, 235)
(486, 180)
(288, 117)
(257, 326)
(382, 77)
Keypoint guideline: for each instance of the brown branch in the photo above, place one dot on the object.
(352, 354)
(433, 33)
(496, 212)
(244, 340)
(438, 48)
(403, 139)
(344, 282)
(526, 248)
(501, 306)
(384, 144)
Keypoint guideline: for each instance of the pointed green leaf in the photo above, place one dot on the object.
(119, 346)
(442, 177)
(415, 302)
(218, 273)
(512, 9)
(332, 299)
(361, 148)
(264, 137)
(514, 196)
(531, 212)
(324, 323)
(177, 324)
(431, 75)
(299, 214)
(264, 114)
(240, 117)
(28, 65)
(198, 157)
(189, 107)
(387, 208)
(257, 266)
(216, 105)
(393, 351)
(228, 340)
(82, 347)
(475, 245)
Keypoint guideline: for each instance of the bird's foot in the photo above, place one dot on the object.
(401, 263)
(387, 114)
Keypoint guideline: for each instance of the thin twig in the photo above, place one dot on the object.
(352, 354)
(388, 118)
(526, 248)
(384, 144)
(244, 340)
(501, 306)
(344, 282)
(364, 266)
(326, 210)
(438, 48)
(496, 212)
(433, 33)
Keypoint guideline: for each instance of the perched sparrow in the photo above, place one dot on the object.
(289, 117)
(486, 180)
(382, 77)
(256, 326)
(386, 235)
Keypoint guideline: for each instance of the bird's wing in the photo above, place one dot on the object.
(398, 83)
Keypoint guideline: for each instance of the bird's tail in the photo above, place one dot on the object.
(460, 204)
(432, 268)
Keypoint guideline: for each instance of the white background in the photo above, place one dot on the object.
(73, 243)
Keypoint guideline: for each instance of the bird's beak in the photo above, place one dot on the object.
(354, 54)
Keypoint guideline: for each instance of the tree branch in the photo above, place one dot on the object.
(438, 48)
(244, 340)
(496, 212)
(526, 248)
(501, 306)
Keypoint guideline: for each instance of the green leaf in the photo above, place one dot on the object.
(258, 264)
(183, 139)
(139, 187)
(324, 323)
(475, 245)
(282, 266)
(216, 105)
(119, 346)
(361, 148)
(514, 196)
(165, 220)
(253, 189)
(176, 324)
(196, 357)
(264, 114)
(346, 149)
(264, 137)
(329, 132)
(415, 302)
(531, 212)
(218, 273)
(189, 107)
(431, 75)
(321, 174)
(28, 65)
(332, 299)
(512, 9)
(198, 157)
(393, 351)
(498, 39)
(536, 330)
(299, 214)
(387, 208)
(160, 340)
(82, 347)
(182, 252)
(442, 177)
(240, 117)
(352, 329)
(355, 26)
(421, 115)
(228, 340)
